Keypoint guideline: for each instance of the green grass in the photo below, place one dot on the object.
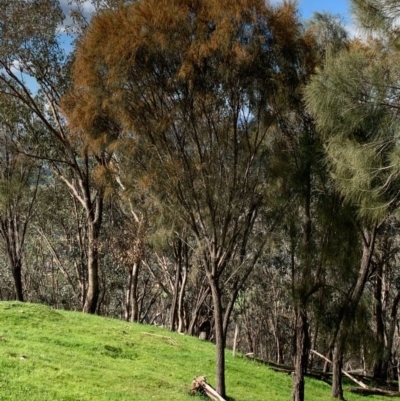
(49, 355)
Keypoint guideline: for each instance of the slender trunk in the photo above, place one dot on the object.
(17, 276)
(9, 232)
(302, 342)
(219, 337)
(349, 308)
(337, 362)
(128, 296)
(249, 337)
(380, 328)
(328, 356)
(201, 297)
(134, 294)
(387, 353)
(229, 309)
(398, 378)
(175, 295)
(235, 337)
(301, 353)
(314, 345)
(181, 319)
(93, 288)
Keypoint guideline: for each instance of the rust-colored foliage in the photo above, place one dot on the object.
(196, 86)
(170, 43)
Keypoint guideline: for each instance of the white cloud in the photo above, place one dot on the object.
(85, 7)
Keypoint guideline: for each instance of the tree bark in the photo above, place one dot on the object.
(134, 294)
(349, 308)
(387, 353)
(181, 319)
(93, 287)
(128, 296)
(219, 337)
(201, 297)
(337, 362)
(10, 234)
(301, 353)
(173, 317)
(379, 324)
(17, 276)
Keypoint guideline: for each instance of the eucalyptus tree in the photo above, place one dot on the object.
(59, 245)
(35, 71)
(196, 86)
(19, 183)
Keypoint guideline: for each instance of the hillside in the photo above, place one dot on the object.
(49, 355)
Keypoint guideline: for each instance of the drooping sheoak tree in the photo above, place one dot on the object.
(196, 86)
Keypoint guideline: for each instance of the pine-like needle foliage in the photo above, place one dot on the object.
(197, 87)
(376, 14)
(355, 101)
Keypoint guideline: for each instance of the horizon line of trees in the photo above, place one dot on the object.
(204, 165)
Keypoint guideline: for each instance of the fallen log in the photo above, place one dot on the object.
(169, 339)
(316, 374)
(361, 384)
(200, 385)
(374, 391)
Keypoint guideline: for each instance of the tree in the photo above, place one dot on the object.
(196, 86)
(30, 52)
(19, 182)
(354, 102)
(376, 15)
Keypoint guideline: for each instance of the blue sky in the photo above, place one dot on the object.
(306, 9)
(342, 7)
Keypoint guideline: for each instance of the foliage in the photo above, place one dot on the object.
(356, 110)
(184, 182)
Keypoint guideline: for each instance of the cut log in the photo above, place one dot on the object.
(200, 385)
(374, 391)
(361, 384)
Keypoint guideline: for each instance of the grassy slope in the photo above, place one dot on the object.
(66, 356)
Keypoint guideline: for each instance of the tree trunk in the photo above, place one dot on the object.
(235, 337)
(134, 294)
(17, 276)
(349, 308)
(173, 317)
(300, 296)
(128, 296)
(201, 297)
(301, 353)
(93, 288)
(337, 390)
(313, 345)
(181, 319)
(379, 324)
(387, 353)
(219, 337)
(329, 356)
(14, 243)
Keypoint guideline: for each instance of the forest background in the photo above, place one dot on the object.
(213, 167)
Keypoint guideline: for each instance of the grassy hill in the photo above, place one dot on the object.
(65, 356)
